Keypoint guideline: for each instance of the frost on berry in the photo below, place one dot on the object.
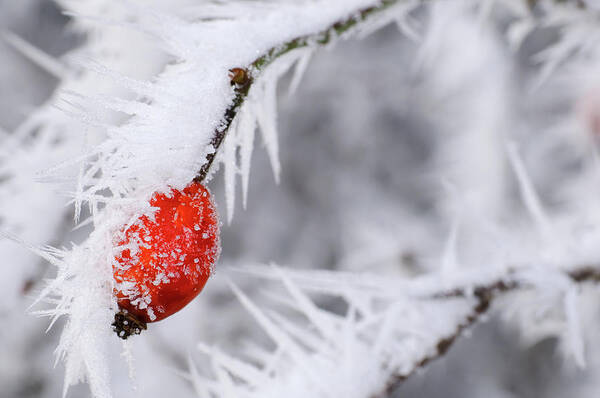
(165, 260)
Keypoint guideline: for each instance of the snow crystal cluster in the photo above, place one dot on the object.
(436, 167)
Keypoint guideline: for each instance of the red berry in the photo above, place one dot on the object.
(166, 258)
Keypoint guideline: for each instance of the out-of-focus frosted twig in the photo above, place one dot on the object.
(484, 295)
(381, 319)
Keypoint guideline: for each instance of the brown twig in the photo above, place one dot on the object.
(241, 80)
(484, 296)
(253, 70)
(321, 38)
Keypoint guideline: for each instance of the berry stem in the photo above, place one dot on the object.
(126, 324)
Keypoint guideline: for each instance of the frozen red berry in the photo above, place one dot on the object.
(166, 258)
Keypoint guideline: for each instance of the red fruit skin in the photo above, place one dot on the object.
(167, 259)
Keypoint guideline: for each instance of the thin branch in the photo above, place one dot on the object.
(241, 89)
(324, 37)
(481, 306)
(484, 295)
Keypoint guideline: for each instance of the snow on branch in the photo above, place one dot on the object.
(227, 60)
(242, 78)
(484, 295)
(379, 341)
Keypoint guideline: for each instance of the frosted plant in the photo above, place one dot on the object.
(390, 329)
(380, 334)
(166, 138)
(211, 81)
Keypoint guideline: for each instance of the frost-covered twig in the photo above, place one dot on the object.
(242, 87)
(381, 340)
(321, 38)
(512, 282)
(480, 308)
(484, 295)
